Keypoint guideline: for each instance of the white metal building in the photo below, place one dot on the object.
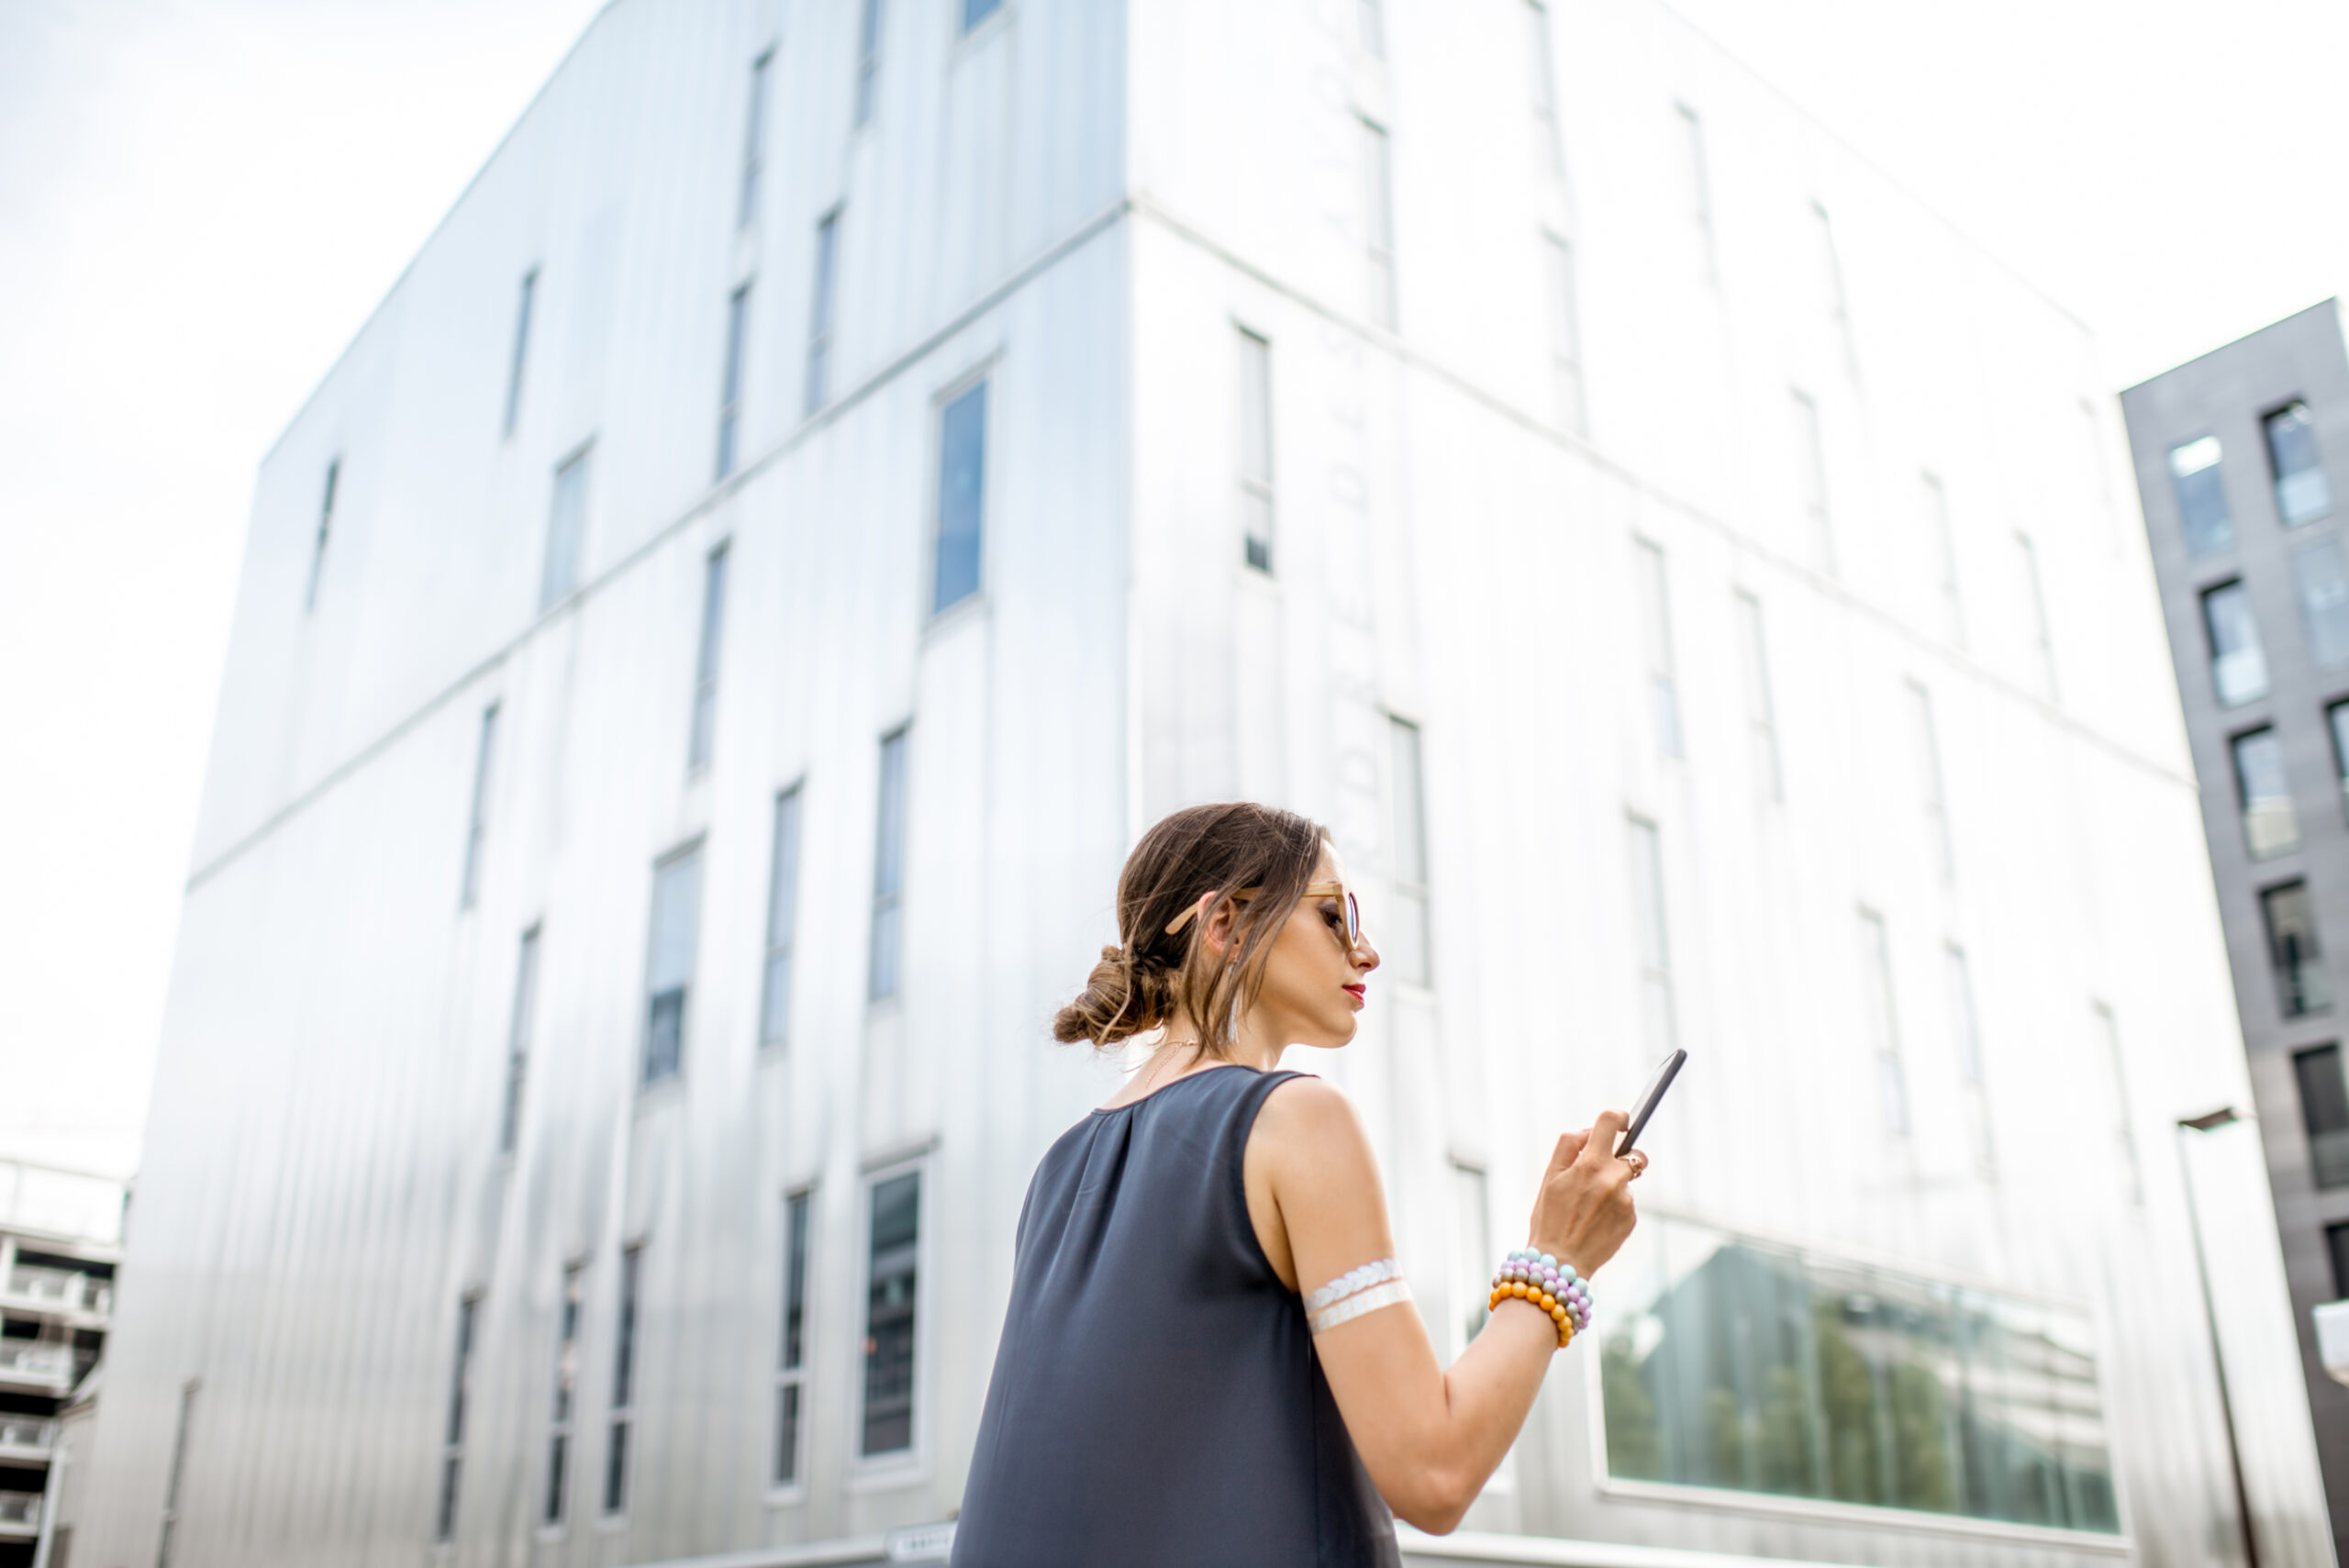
(846, 466)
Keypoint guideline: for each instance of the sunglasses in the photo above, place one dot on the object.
(1350, 938)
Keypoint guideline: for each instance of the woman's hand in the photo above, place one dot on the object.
(1583, 1210)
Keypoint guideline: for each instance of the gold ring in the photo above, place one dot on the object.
(1638, 1159)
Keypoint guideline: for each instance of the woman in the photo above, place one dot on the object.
(1162, 1394)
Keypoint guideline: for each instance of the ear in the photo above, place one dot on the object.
(1217, 930)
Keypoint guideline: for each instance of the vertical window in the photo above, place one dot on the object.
(178, 1471)
(2324, 601)
(477, 817)
(1926, 744)
(1830, 267)
(1655, 644)
(452, 1443)
(563, 1419)
(1810, 478)
(1409, 952)
(729, 392)
(962, 498)
(1472, 1250)
(2324, 1112)
(2336, 1245)
(1941, 548)
(2035, 592)
(1370, 28)
(1648, 933)
(977, 11)
(1255, 451)
(1698, 192)
(1966, 1038)
(754, 140)
(890, 1268)
(566, 532)
(2336, 720)
(783, 921)
(2302, 987)
(521, 348)
(1882, 1025)
(2124, 1135)
(1379, 222)
(2301, 494)
(326, 526)
(1565, 333)
(868, 60)
(820, 311)
(1761, 711)
(2194, 479)
(791, 1365)
(669, 962)
(888, 867)
(2269, 825)
(623, 1384)
(1549, 146)
(713, 639)
(517, 1041)
(2238, 663)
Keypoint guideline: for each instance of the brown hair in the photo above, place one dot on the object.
(1143, 982)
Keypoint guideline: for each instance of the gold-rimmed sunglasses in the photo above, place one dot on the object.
(1350, 938)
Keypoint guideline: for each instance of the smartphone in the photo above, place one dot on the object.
(1649, 1100)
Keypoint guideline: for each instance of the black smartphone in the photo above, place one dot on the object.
(1649, 1100)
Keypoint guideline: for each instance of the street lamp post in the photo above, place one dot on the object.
(2223, 1117)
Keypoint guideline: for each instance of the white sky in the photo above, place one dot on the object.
(201, 201)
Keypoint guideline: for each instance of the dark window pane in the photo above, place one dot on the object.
(819, 312)
(521, 348)
(624, 1336)
(786, 1434)
(2194, 476)
(977, 11)
(558, 1452)
(669, 965)
(2336, 1243)
(868, 58)
(962, 500)
(2324, 1110)
(2301, 494)
(616, 1470)
(888, 868)
(445, 1515)
(2238, 663)
(730, 397)
(783, 884)
(2269, 827)
(2301, 984)
(795, 1283)
(889, 1315)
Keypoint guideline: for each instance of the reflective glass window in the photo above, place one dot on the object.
(2293, 952)
(669, 965)
(2323, 592)
(566, 532)
(962, 498)
(2324, 1112)
(713, 638)
(2336, 1245)
(729, 392)
(1255, 451)
(2302, 495)
(754, 138)
(623, 1385)
(783, 919)
(2336, 719)
(819, 312)
(891, 1265)
(2269, 827)
(888, 868)
(517, 1041)
(2195, 479)
(521, 348)
(868, 60)
(791, 1374)
(2238, 662)
(977, 11)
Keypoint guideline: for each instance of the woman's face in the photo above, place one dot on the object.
(1314, 983)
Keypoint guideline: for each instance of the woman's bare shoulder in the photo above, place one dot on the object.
(1309, 1117)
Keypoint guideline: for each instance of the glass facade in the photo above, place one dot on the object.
(2293, 952)
(2324, 1113)
(2323, 593)
(977, 11)
(2269, 825)
(1729, 1362)
(962, 498)
(2238, 662)
(2195, 479)
(668, 962)
(2302, 495)
(452, 1455)
(891, 1266)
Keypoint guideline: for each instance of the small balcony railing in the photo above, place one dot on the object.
(32, 1359)
(60, 1290)
(19, 1512)
(22, 1435)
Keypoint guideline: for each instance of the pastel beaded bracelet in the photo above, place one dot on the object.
(1528, 1275)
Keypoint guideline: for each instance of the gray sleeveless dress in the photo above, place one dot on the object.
(1157, 1399)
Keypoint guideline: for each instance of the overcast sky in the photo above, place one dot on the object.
(201, 201)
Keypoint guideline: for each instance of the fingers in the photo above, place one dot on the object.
(1570, 1146)
(1598, 1146)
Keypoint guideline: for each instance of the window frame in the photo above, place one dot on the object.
(732, 382)
(645, 1082)
(523, 308)
(2334, 1162)
(2235, 740)
(2324, 1005)
(871, 27)
(453, 1445)
(1761, 699)
(753, 172)
(823, 309)
(477, 811)
(2213, 655)
(1257, 489)
(1884, 1046)
(555, 1496)
(701, 734)
(799, 1212)
(981, 379)
(1562, 287)
(2277, 478)
(891, 900)
(893, 1465)
(794, 796)
(1652, 595)
(621, 1407)
(521, 1024)
(2229, 534)
(581, 460)
(1652, 972)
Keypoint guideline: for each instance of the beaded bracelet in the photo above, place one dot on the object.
(1528, 1275)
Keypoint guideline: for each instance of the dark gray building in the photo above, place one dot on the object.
(2238, 457)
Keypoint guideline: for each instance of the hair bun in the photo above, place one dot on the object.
(1121, 998)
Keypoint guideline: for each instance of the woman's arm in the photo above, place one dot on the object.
(1428, 1436)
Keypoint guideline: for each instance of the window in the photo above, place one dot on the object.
(1941, 548)
(1409, 952)
(1761, 712)
(1928, 752)
(783, 921)
(2194, 478)
(754, 138)
(2269, 827)
(2336, 1243)
(1370, 28)
(1698, 191)
(669, 962)
(1379, 222)
(2324, 601)
(1878, 1020)
(1648, 932)
(730, 393)
(2035, 598)
(1655, 644)
(1549, 147)
(1255, 451)
(1811, 478)
(517, 1041)
(566, 1387)
(1565, 333)
(962, 498)
(791, 1365)
(2124, 1135)
(977, 11)
(2301, 494)
(2325, 1111)
(2238, 664)
(326, 525)
(1830, 267)
(521, 348)
(890, 1269)
(888, 867)
(713, 639)
(623, 1384)
(477, 818)
(566, 532)
(178, 1470)
(452, 1444)
(868, 60)
(2303, 986)
(1735, 1364)
(1965, 1037)
(1472, 1250)
(2336, 718)
(820, 311)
